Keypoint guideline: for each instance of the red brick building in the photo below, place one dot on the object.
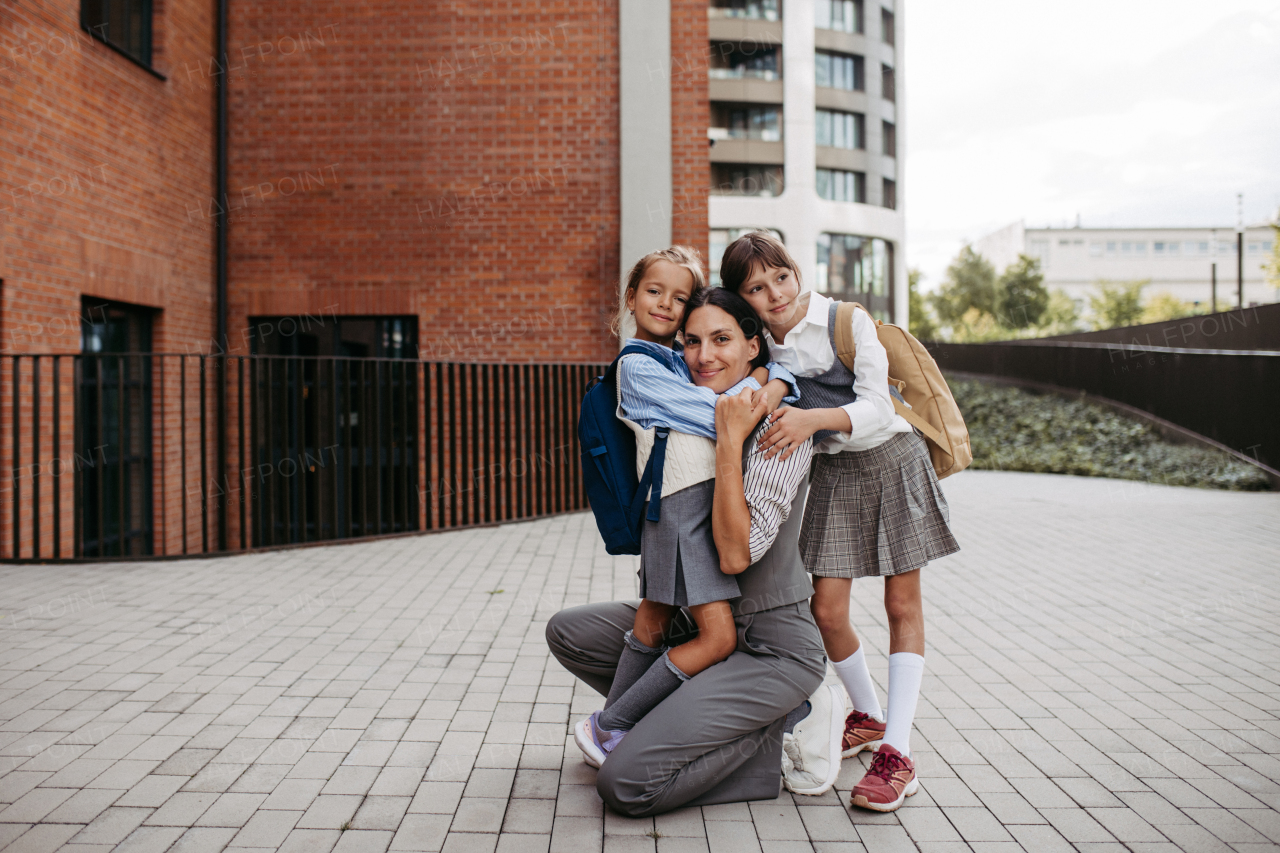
(445, 177)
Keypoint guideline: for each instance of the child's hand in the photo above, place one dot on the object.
(791, 427)
(738, 415)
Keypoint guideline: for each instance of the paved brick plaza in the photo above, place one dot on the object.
(1103, 674)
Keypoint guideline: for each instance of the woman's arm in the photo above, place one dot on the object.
(730, 515)
(870, 412)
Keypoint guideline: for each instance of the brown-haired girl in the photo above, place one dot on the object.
(874, 507)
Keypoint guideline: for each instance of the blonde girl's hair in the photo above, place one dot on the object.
(751, 250)
(682, 256)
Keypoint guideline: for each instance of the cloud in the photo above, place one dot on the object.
(1139, 113)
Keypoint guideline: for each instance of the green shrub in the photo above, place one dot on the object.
(1016, 430)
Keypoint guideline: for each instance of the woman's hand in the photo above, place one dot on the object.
(738, 415)
(791, 426)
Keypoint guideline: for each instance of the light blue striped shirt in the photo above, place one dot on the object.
(653, 395)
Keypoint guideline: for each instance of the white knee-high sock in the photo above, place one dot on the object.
(857, 680)
(906, 671)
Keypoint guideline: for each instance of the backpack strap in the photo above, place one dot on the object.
(652, 478)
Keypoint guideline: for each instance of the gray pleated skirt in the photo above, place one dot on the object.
(679, 563)
(875, 512)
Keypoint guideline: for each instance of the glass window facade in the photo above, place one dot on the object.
(839, 185)
(719, 240)
(756, 10)
(857, 269)
(842, 15)
(746, 179)
(839, 71)
(839, 129)
(749, 59)
(746, 121)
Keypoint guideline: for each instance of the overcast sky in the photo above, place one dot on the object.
(1125, 112)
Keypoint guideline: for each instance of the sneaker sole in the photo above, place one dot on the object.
(590, 752)
(910, 790)
(836, 735)
(872, 745)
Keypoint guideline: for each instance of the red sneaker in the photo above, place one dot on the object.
(861, 731)
(891, 779)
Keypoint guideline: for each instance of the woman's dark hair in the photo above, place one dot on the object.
(737, 308)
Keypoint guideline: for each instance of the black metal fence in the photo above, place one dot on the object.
(1229, 396)
(116, 455)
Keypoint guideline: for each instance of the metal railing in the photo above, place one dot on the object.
(116, 455)
(1225, 395)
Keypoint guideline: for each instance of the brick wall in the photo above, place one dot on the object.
(690, 117)
(453, 161)
(100, 162)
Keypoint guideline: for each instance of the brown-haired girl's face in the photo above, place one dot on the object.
(658, 301)
(774, 294)
(719, 355)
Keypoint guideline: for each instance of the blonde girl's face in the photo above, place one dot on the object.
(719, 355)
(658, 302)
(774, 292)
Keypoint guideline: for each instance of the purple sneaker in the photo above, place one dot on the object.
(595, 743)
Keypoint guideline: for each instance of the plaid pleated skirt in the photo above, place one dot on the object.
(875, 512)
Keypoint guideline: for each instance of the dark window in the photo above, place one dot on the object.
(123, 24)
(749, 59)
(335, 424)
(746, 179)
(113, 430)
(746, 121)
(889, 133)
(890, 194)
(840, 185)
(886, 25)
(838, 71)
(758, 10)
(888, 83)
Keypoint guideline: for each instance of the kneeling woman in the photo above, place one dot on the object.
(718, 738)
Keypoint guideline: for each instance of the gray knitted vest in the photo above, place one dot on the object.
(828, 390)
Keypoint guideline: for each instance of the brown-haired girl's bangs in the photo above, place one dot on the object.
(758, 248)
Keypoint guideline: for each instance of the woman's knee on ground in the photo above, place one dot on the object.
(623, 794)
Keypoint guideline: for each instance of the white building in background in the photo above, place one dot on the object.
(1178, 261)
(806, 140)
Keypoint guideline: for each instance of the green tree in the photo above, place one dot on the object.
(1061, 316)
(970, 283)
(1166, 306)
(1272, 265)
(1117, 303)
(1021, 297)
(919, 321)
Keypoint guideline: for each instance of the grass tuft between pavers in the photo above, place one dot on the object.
(1013, 429)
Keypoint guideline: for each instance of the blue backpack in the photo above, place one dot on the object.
(609, 464)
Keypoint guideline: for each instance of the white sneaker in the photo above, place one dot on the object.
(811, 753)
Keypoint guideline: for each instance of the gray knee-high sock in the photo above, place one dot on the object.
(659, 682)
(635, 661)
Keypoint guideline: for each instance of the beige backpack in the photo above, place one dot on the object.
(930, 407)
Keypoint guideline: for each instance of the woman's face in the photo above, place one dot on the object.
(718, 353)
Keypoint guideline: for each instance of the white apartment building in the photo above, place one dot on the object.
(1179, 261)
(806, 140)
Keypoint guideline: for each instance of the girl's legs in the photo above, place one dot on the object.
(643, 646)
(830, 608)
(716, 640)
(905, 609)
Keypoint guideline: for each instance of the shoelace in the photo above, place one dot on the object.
(884, 765)
(791, 747)
(857, 718)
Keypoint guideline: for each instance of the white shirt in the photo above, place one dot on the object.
(806, 351)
